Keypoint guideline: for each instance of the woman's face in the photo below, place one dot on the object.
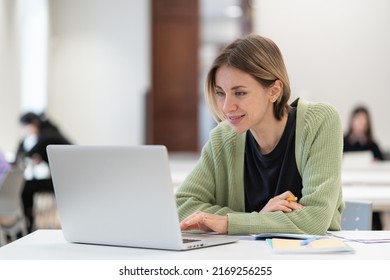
(244, 101)
(28, 130)
(360, 123)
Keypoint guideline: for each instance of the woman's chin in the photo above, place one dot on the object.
(238, 129)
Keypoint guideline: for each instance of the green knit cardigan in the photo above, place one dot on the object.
(216, 184)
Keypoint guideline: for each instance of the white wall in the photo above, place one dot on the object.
(336, 51)
(9, 76)
(99, 69)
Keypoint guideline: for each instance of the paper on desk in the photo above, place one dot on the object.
(366, 240)
(293, 246)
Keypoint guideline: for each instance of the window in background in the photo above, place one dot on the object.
(222, 21)
(33, 18)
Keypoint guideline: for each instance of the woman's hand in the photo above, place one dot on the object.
(283, 203)
(205, 222)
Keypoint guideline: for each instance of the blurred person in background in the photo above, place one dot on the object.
(37, 133)
(359, 137)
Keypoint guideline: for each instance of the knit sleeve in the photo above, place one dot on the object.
(322, 151)
(206, 187)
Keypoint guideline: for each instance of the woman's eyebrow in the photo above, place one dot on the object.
(233, 88)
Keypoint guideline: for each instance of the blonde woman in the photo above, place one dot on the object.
(268, 166)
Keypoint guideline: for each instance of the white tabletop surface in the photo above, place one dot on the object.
(376, 173)
(379, 195)
(50, 244)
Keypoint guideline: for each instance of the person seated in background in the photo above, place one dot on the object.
(359, 137)
(37, 133)
(4, 167)
(268, 166)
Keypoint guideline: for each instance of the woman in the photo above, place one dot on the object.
(38, 133)
(268, 166)
(359, 137)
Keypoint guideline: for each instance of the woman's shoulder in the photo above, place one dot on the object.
(317, 111)
(224, 137)
(316, 107)
(223, 129)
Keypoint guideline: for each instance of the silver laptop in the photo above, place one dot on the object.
(357, 215)
(120, 195)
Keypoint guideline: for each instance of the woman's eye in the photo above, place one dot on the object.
(219, 93)
(240, 93)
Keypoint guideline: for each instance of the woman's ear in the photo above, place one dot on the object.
(276, 91)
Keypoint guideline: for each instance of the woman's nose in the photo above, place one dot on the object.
(229, 105)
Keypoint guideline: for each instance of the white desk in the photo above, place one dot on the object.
(377, 173)
(370, 182)
(378, 194)
(50, 245)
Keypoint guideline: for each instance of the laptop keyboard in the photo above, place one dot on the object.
(186, 240)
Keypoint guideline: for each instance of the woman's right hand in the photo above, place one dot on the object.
(205, 222)
(281, 203)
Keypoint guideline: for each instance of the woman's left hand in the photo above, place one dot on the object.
(205, 222)
(281, 203)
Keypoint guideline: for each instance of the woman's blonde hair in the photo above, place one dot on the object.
(261, 58)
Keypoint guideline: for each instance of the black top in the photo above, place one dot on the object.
(357, 146)
(266, 176)
(48, 134)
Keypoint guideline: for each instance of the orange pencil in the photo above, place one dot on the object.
(292, 198)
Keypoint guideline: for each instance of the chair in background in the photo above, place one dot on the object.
(12, 220)
(45, 211)
(357, 215)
